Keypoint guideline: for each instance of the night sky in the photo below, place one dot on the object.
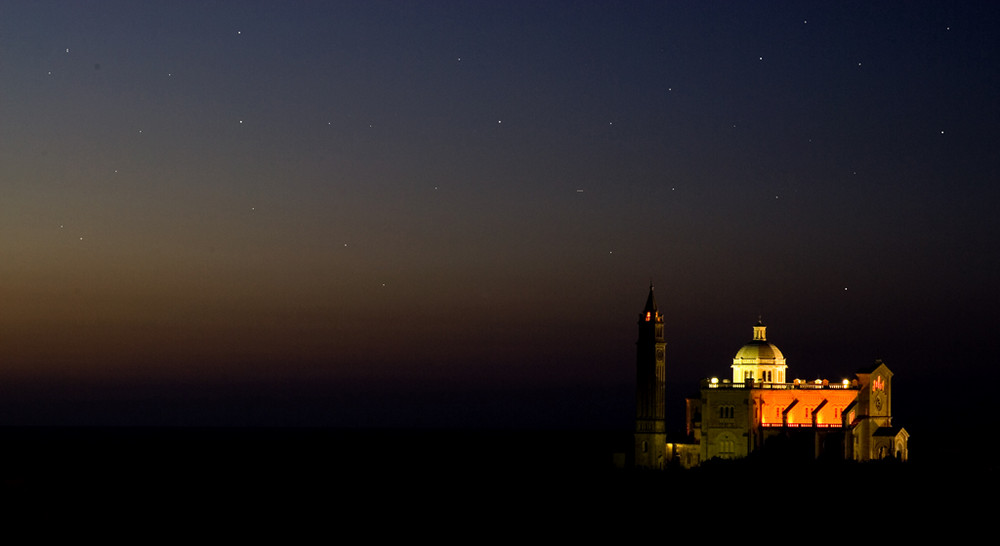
(448, 214)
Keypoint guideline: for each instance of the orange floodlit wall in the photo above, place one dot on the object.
(804, 403)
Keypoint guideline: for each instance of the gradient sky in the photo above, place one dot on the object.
(449, 213)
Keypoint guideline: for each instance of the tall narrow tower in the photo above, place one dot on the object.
(650, 367)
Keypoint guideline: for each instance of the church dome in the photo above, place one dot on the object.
(759, 350)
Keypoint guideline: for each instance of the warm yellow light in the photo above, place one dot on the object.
(847, 383)
(715, 380)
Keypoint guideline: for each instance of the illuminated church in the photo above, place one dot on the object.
(758, 412)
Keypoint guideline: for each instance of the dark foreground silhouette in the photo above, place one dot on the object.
(367, 475)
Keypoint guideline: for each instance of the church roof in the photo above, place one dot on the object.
(872, 367)
(759, 350)
(889, 432)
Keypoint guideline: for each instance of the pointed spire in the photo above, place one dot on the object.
(650, 301)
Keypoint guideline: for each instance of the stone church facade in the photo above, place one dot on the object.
(758, 412)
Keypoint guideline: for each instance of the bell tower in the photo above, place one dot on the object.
(650, 365)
